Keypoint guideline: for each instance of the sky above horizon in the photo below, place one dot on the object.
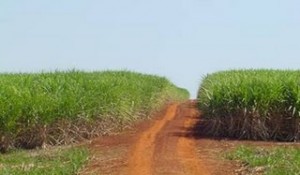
(182, 40)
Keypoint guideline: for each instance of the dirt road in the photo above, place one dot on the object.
(164, 145)
(164, 149)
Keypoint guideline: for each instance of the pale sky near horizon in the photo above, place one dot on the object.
(180, 39)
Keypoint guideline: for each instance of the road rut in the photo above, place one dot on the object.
(166, 147)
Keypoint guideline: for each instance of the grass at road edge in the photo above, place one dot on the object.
(270, 161)
(259, 104)
(64, 107)
(67, 161)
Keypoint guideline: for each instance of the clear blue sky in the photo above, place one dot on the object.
(180, 39)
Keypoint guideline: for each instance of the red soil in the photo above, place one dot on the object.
(165, 145)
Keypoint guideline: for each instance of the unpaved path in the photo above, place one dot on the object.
(162, 146)
(186, 146)
(164, 149)
(141, 160)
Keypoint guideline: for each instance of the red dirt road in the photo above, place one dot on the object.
(142, 154)
(163, 149)
(164, 145)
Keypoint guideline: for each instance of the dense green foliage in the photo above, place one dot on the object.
(39, 100)
(259, 99)
(275, 161)
(43, 162)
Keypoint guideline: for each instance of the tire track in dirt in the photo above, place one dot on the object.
(141, 158)
(166, 161)
(166, 147)
(186, 146)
